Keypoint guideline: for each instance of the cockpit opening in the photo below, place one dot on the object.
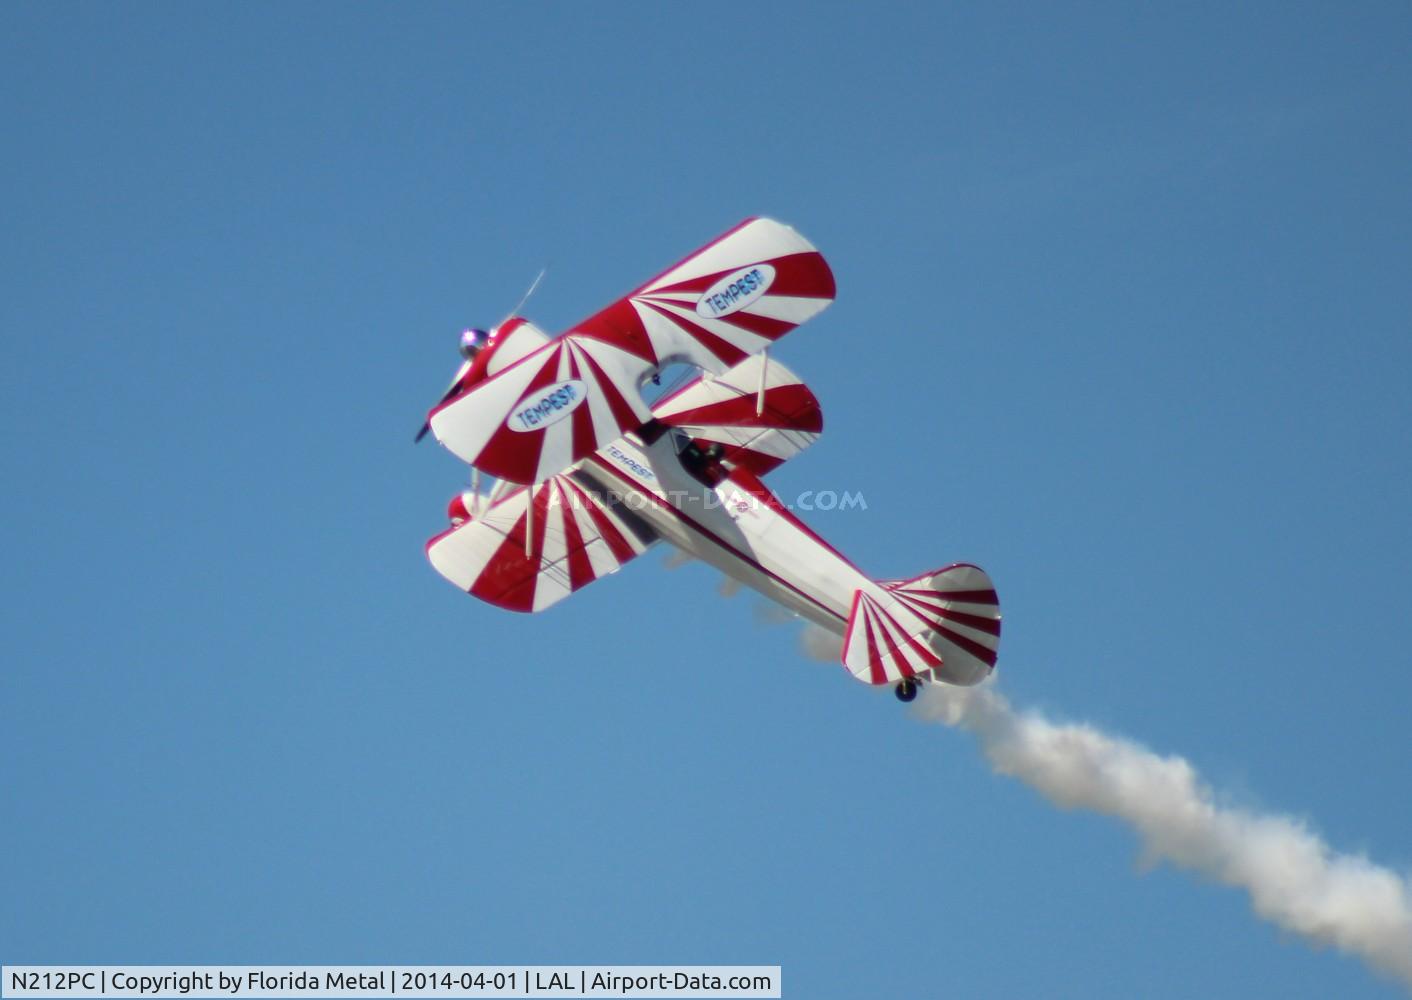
(701, 459)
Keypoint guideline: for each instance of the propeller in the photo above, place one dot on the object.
(472, 341)
(526, 297)
(450, 391)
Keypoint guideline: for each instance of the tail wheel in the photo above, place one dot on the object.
(906, 690)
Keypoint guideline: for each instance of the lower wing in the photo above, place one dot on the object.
(760, 414)
(525, 557)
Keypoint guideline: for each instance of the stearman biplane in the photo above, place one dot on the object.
(590, 475)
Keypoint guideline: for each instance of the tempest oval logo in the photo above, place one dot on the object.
(547, 406)
(736, 291)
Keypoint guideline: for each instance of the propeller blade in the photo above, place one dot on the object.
(450, 391)
(526, 297)
(461, 372)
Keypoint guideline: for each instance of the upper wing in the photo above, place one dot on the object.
(575, 537)
(726, 410)
(729, 300)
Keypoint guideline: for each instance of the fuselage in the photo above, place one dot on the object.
(607, 474)
(737, 526)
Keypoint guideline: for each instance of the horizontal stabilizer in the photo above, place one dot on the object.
(943, 625)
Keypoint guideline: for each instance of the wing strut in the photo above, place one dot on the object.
(764, 371)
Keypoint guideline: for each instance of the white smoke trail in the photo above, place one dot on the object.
(820, 644)
(728, 586)
(676, 559)
(1294, 879)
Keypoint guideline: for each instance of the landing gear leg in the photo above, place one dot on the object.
(906, 690)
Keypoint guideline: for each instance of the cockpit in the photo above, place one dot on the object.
(702, 461)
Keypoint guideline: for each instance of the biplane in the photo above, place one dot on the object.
(589, 475)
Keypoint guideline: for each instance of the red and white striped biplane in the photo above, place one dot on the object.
(590, 475)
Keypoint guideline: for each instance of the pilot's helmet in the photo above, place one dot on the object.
(472, 341)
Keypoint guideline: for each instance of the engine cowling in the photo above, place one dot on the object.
(460, 508)
(509, 342)
(489, 354)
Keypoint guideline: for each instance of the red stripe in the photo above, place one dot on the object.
(540, 526)
(927, 598)
(512, 455)
(875, 664)
(884, 619)
(928, 656)
(607, 529)
(791, 407)
(762, 326)
(585, 441)
(509, 577)
(501, 586)
(617, 404)
(580, 566)
(991, 626)
(803, 275)
(691, 286)
(617, 542)
(986, 656)
(981, 624)
(476, 374)
(619, 325)
(548, 373)
(852, 624)
(969, 596)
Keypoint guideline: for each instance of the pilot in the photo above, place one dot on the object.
(472, 341)
(703, 463)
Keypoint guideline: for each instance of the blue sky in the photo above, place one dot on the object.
(1123, 317)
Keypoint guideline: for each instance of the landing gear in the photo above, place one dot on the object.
(906, 690)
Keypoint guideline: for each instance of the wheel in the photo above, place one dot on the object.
(906, 690)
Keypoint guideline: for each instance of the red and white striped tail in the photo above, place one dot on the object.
(943, 625)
